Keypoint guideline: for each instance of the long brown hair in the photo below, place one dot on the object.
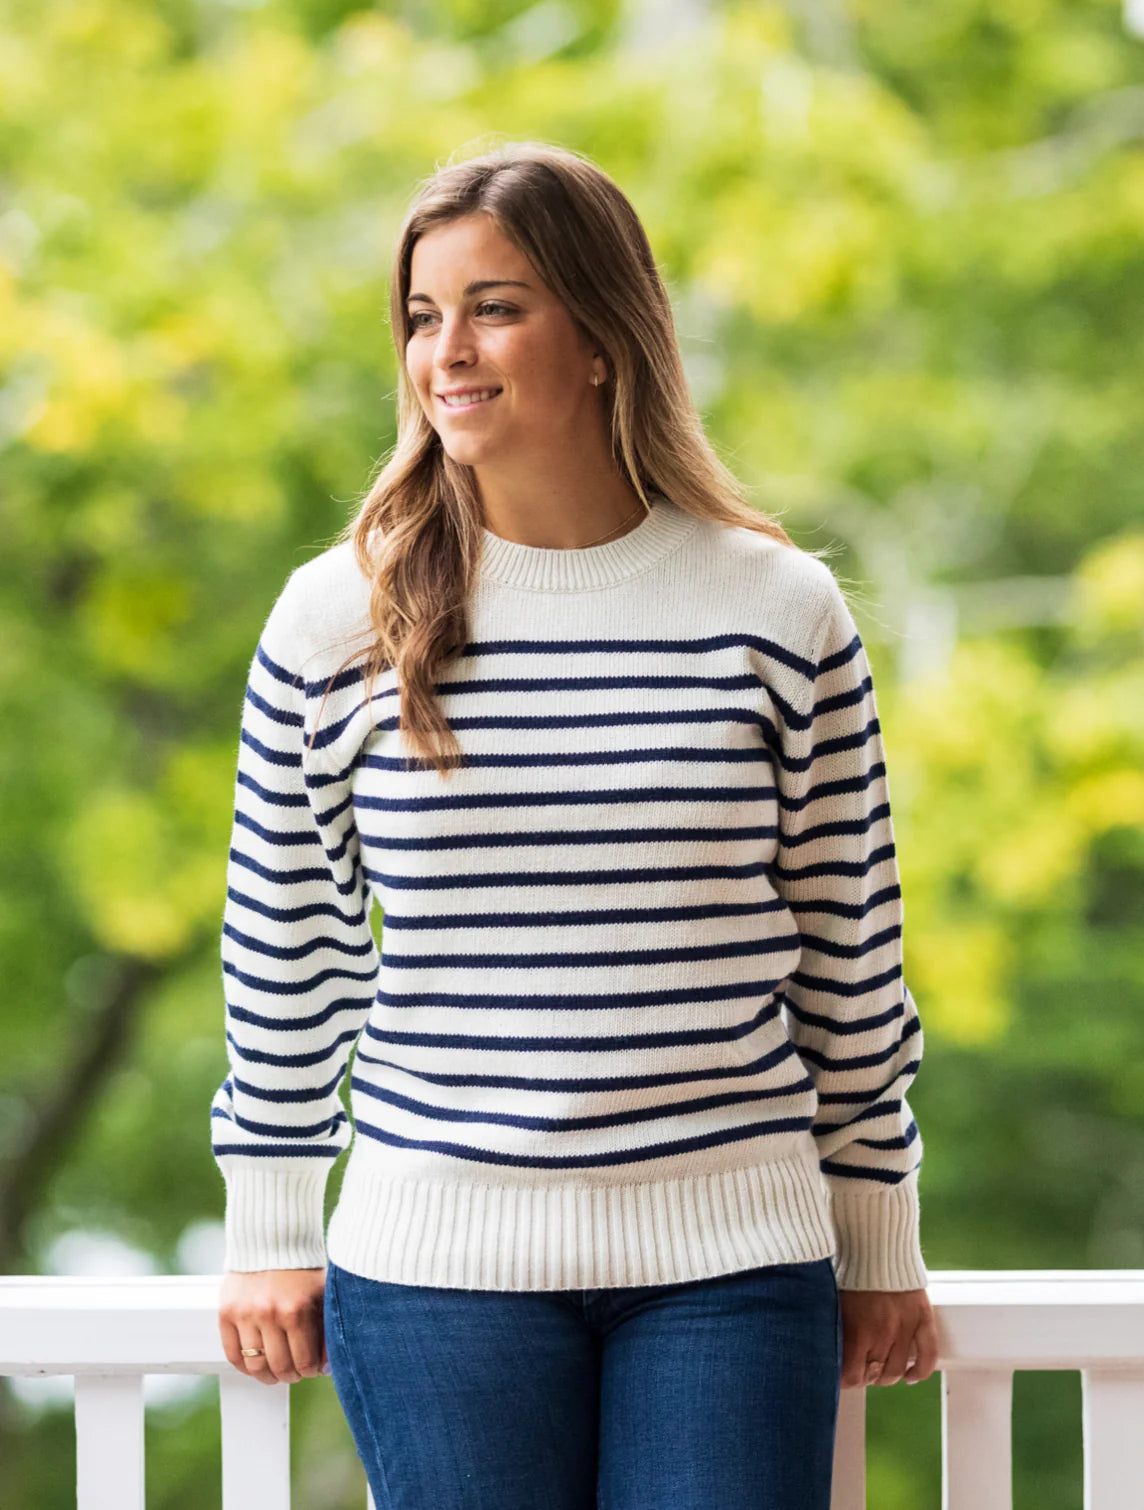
(417, 536)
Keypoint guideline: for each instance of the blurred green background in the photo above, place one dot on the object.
(904, 246)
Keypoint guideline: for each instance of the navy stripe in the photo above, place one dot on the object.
(289, 1061)
(601, 1120)
(277, 1150)
(301, 1024)
(575, 1083)
(574, 917)
(589, 958)
(578, 1001)
(255, 945)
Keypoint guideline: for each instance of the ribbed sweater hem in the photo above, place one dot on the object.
(476, 1236)
(879, 1237)
(274, 1216)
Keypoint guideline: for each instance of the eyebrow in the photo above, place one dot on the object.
(476, 287)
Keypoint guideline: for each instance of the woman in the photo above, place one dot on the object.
(633, 1190)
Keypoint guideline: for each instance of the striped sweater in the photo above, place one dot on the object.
(638, 1015)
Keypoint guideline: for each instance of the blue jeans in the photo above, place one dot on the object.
(714, 1394)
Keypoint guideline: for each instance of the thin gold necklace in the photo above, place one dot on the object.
(613, 530)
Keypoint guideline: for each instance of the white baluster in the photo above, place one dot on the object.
(109, 1441)
(976, 1439)
(1113, 1413)
(848, 1487)
(255, 1443)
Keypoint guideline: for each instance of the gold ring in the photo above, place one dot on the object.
(251, 1352)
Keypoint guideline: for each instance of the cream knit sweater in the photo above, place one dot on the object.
(639, 1014)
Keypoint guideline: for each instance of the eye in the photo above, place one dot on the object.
(494, 304)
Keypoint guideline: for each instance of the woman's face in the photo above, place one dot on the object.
(511, 335)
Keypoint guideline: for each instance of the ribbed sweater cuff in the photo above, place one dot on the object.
(274, 1214)
(878, 1237)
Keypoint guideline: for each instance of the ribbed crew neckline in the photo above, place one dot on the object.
(544, 569)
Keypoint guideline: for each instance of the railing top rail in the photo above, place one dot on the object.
(1003, 1319)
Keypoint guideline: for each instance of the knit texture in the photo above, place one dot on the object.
(638, 1015)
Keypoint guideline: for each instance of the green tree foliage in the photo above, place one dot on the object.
(903, 244)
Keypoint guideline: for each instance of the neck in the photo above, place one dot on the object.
(553, 521)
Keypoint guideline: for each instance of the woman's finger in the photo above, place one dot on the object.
(278, 1355)
(258, 1364)
(928, 1351)
(234, 1339)
(304, 1337)
(231, 1343)
(894, 1362)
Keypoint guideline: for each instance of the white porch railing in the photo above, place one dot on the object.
(108, 1333)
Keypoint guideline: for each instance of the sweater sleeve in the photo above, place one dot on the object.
(847, 1008)
(299, 971)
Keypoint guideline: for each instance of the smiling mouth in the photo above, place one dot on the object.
(473, 401)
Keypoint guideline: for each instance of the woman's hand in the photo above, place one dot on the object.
(280, 1311)
(887, 1335)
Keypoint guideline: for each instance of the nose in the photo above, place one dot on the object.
(454, 344)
